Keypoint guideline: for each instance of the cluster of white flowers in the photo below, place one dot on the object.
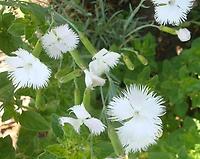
(60, 40)
(102, 62)
(138, 110)
(25, 70)
(95, 126)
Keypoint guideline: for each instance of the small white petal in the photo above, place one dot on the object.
(80, 111)
(59, 40)
(92, 80)
(183, 34)
(98, 67)
(76, 123)
(95, 126)
(120, 109)
(144, 101)
(25, 70)
(103, 61)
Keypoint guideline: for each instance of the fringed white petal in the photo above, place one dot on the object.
(138, 110)
(92, 80)
(103, 61)
(76, 123)
(138, 134)
(144, 101)
(172, 12)
(80, 111)
(98, 67)
(95, 126)
(27, 70)
(120, 109)
(59, 40)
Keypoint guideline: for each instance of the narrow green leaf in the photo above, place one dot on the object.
(17, 29)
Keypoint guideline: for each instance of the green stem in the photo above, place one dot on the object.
(111, 130)
(36, 52)
(87, 43)
(136, 30)
(91, 148)
(115, 140)
(87, 99)
(76, 56)
(77, 96)
(37, 49)
(38, 99)
(103, 114)
(133, 14)
(142, 27)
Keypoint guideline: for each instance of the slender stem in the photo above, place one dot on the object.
(136, 30)
(103, 115)
(142, 27)
(78, 60)
(86, 42)
(38, 98)
(91, 147)
(36, 52)
(37, 49)
(133, 14)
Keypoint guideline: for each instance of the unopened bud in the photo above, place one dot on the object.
(128, 63)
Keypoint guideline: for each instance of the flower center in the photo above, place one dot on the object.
(172, 2)
(28, 66)
(136, 112)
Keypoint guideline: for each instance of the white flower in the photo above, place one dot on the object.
(183, 34)
(172, 11)
(138, 134)
(103, 61)
(92, 80)
(138, 110)
(59, 40)
(83, 117)
(25, 70)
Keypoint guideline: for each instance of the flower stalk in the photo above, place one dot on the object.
(87, 43)
(117, 146)
(76, 56)
(77, 96)
(36, 52)
(37, 49)
(168, 30)
(87, 100)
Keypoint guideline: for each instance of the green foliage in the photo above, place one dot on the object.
(6, 149)
(33, 121)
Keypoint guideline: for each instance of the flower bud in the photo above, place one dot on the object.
(142, 59)
(183, 34)
(128, 62)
